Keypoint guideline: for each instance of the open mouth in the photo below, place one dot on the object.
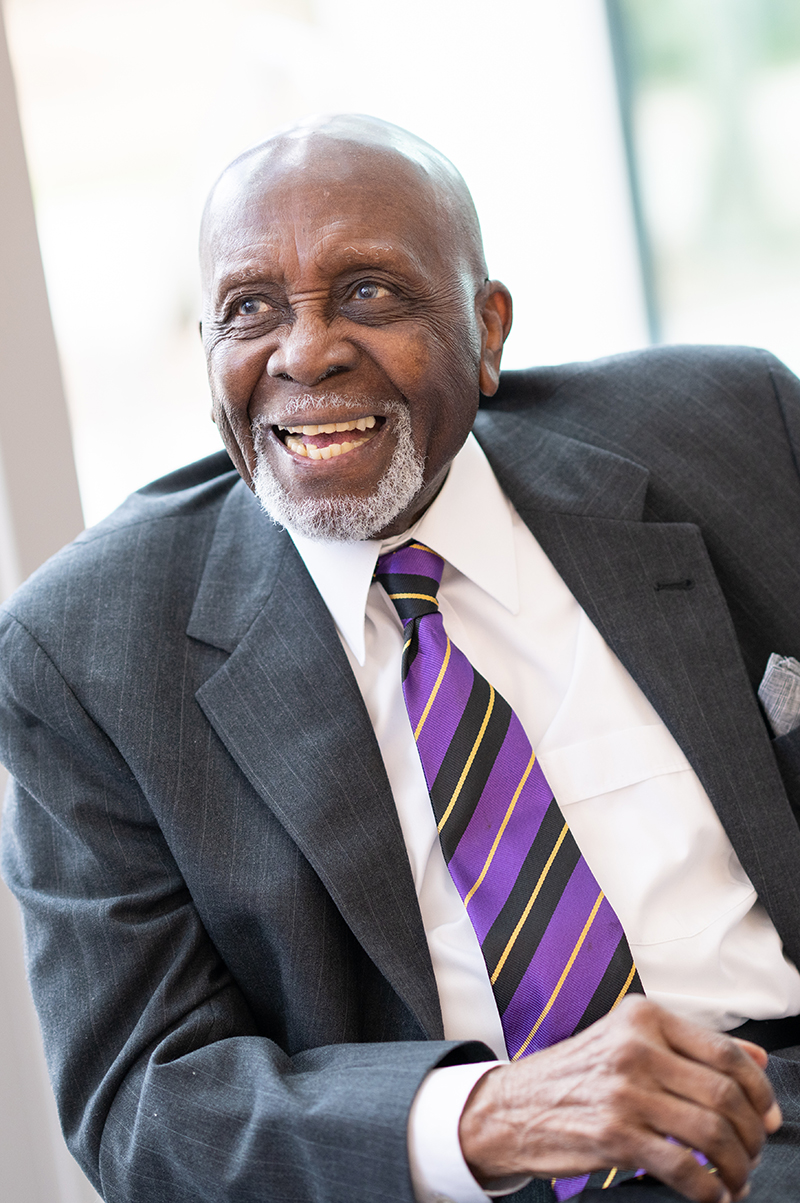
(329, 439)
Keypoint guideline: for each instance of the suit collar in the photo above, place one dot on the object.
(241, 571)
(543, 471)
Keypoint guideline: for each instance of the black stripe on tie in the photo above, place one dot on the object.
(610, 985)
(410, 647)
(407, 582)
(456, 756)
(541, 912)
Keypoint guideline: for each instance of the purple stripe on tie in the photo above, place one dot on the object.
(567, 1188)
(445, 713)
(415, 562)
(550, 959)
(583, 979)
(520, 832)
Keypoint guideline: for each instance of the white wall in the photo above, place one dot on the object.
(131, 109)
(39, 510)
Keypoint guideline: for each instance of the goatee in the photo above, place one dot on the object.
(348, 517)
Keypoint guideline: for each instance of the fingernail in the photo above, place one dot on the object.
(725, 1197)
(773, 1119)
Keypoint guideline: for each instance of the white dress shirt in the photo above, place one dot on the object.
(703, 944)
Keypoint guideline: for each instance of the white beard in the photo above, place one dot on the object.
(346, 518)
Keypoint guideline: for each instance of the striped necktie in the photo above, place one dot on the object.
(556, 954)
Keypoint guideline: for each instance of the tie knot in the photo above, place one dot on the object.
(411, 576)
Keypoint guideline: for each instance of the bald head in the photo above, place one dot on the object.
(390, 166)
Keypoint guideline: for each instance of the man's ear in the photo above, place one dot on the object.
(495, 312)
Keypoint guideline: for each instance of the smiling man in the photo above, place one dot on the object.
(306, 925)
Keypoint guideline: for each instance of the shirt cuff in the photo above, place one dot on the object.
(439, 1173)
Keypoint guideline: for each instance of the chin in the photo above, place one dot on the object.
(343, 518)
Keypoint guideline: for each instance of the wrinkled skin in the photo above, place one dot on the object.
(346, 275)
(342, 269)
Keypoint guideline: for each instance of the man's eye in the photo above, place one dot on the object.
(252, 306)
(370, 292)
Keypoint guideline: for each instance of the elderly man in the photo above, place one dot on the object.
(289, 911)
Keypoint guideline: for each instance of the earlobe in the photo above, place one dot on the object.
(496, 316)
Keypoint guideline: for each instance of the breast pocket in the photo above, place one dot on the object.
(648, 831)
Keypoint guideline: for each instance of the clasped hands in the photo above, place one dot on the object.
(612, 1095)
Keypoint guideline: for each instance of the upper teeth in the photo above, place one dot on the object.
(332, 427)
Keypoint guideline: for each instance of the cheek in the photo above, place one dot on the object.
(234, 370)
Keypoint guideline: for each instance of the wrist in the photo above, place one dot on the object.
(484, 1135)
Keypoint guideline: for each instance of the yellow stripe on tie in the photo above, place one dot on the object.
(503, 826)
(610, 1178)
(468, 765)
(416, 596)
(513, 937)
(563, 977)
(625, 988)
(434, 691)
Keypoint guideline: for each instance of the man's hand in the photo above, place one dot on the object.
(613, 1094)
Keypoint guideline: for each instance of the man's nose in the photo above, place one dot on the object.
(310, 350)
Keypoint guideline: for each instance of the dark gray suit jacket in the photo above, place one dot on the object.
(223, 936)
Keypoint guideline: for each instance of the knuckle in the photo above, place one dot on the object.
(729, 1055)
(634, 1008)
(725, 1094)
(632, 1059)
(718, 1131)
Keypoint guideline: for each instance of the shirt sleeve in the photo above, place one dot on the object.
(439, 1172)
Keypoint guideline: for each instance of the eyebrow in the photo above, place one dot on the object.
(374, 255)
(238, 276)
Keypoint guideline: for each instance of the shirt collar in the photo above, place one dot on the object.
(469, 523)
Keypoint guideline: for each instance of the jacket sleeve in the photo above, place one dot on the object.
(166, 1088)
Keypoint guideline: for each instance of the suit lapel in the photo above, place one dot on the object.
(651, 591)
(288, 710)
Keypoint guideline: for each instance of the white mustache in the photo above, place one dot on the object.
(312, 405)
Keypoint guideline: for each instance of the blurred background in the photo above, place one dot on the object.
(636, 166)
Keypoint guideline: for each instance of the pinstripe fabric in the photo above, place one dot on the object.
(554, 949)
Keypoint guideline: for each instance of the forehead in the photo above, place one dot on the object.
(330, 211)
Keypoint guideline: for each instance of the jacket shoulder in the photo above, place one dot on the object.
(640, 374)
(160, 533)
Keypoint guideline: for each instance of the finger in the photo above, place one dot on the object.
(759, 1054)
(724, 1054)
(711, 1134)
(678, 1168)
(773, 1118)
(716, 1094)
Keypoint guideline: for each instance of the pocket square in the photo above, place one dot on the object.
(779, 693)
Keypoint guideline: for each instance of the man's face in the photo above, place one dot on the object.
(337, 296)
